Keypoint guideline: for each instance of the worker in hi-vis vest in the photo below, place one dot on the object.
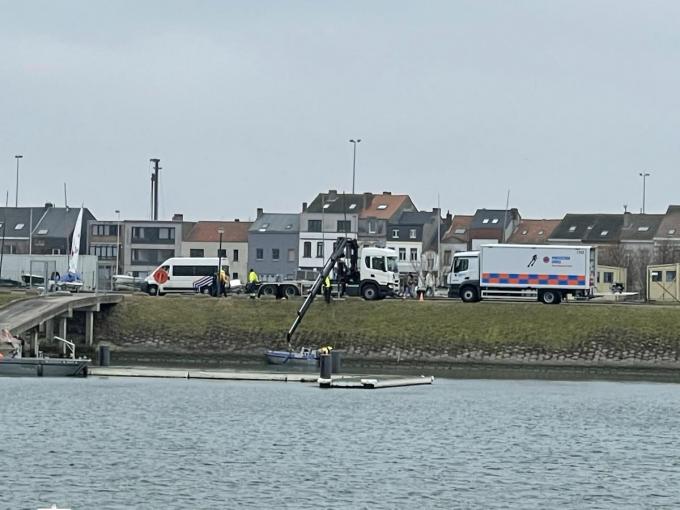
(327, 288)
(253, 280)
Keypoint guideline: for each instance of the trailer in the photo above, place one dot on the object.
(547, 273)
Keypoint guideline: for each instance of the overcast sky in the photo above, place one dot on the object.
(251, 104)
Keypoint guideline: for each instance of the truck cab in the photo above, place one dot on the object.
(463, 280)
(379, 273)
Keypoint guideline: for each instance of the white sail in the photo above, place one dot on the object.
(75, 245)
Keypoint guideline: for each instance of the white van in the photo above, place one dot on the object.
(184, 274)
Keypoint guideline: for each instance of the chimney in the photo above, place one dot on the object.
(332, 194)
(260, 212)
(48, 205)
(627, 219)
(387, 192)
(177, 217)
(236, 220)
(304, 206)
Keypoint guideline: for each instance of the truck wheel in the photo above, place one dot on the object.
(267, 290)
(153, 290)
(551, 297)
(468, 294)
(369, 292)
(289, 291)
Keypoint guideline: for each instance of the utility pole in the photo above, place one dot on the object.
(16, 197)
(154, 184)
(354, 162)
(644, 176)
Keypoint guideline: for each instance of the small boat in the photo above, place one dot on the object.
(127, 282)
(305, 356)
(13, 364)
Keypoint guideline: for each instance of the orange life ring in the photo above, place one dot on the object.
(161, 276)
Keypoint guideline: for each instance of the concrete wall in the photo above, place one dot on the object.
(268, 268)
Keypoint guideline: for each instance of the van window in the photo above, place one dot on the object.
(461, 264)
(368, 262)
(205, 270)
(182, 271)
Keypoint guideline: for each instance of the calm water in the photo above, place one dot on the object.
(155, 444)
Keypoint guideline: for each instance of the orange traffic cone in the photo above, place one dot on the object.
(421, 297)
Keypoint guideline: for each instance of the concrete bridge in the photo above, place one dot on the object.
(26, 318)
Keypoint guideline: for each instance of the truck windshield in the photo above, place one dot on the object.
(460, 264)
(392, 264)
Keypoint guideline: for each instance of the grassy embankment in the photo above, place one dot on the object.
(9, 296)
(433, 326)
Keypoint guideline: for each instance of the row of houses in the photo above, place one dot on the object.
(278, 245)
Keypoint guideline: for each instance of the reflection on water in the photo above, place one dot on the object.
(135, 443)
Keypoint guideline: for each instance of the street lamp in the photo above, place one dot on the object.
(220, 231)
(354, 161)
(117, 241)
(644, 176)
(16, 197)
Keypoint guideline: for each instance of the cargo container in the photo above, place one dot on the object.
(547, 273)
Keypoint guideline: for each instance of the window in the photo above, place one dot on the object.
(382, 207)
(352, 206)
(235, 256)
(344, 225)
(495, 220)
(412, 233)
(572, 228)
(166, 233)
(18, 226)
(326, 206)
(307, 250)
(656, 276)
(371, 226)
(196, 252)
(291, 255)
(604, 233)
(395, 233)
(42, 231)
(643, 229)
(137, 232)
(607, 277)
(222, 253)
(525, 232)
(447, 257)
(314, 225)
(414, 254)
(104, 251)
(670, 276)
(319, 250)
(485, 220)
(402, 254)
(378, 263)
(671, 231)
(461, 264)
(459, 231)
(103, 230)
(275, 254)
(234, 276)
(259, 253)
(56, 251)
(541, 232)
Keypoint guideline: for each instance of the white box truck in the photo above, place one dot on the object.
(547, 273)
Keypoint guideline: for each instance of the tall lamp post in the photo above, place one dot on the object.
(16, 196)
(644, 176)
(220, 231)
(354, 161)
(117, 242)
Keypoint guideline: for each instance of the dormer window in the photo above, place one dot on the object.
(572, 228)
(395, 233)
(485, 220)
(352, 206)
(18, 226)
(604, 233)
(643, 229)
(541, 232)
(671, 231)
(495, 220)
(525, 232)
(326, 206)
(459, 231)
(382, 206)
(42, 231)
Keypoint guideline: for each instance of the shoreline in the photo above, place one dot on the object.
(472, 369)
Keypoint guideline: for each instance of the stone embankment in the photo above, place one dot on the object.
(446, 336)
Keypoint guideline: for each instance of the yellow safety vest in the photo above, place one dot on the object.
(327, 282)
(252, 277)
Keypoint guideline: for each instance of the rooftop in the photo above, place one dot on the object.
(533, 231)
(276, 222)
(207, 231)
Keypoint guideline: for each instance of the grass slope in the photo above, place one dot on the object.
(407, 324)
